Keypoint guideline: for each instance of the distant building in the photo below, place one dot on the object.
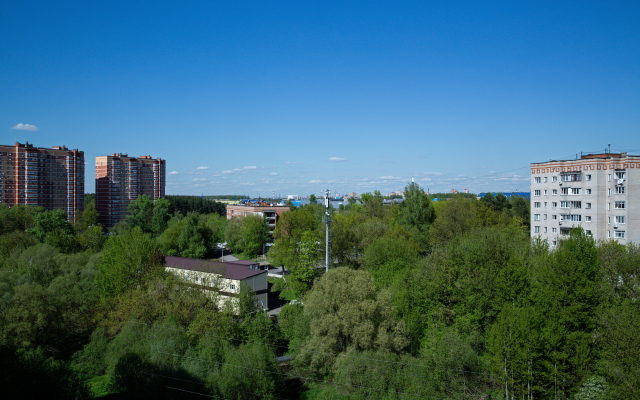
(223, 278)
(120, 179)
(454, 191)
(269, 211)
(525, 195)
(50, 178)
(353, 194)
(598, 192)
(466, 191)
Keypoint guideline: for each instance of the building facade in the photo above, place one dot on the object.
(51, 178)
(222, 279)
(270, 212)
(120, 179)
(598, 192)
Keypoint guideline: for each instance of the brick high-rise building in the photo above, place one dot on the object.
(50, 178)
(120, 179)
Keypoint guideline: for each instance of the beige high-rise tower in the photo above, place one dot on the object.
(598, 192)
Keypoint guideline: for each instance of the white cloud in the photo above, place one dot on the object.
(227, 172)
(245, 183)
(174, 173)
(200, 179)
(205, 168)
(337, 159)
(273, 174)
(390, 178)
(292, 162)
(315, 181)
(251, 167)
(25, 127)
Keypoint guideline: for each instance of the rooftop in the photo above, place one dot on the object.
(592, 156)
(236, 270)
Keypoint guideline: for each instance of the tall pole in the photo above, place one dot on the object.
(327, 219)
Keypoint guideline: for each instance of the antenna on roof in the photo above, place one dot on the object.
(609, 148)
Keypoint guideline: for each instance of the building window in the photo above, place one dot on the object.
(545, 217)
(545, 192)
(589, 233)
(564, 204)
(536, 229)
(588, 191)
(587, 218)
(545, 203)
(536, 217)
(545, 179)
(620, 219)
(609, 178)
(619, 205)
(554, 179)
(564, 191)
(608, 206)
(545, 229)
(232, 287)
(620, 175)
(619, 189)
(554, 204)
(536, 204)
(571, 217)
(608, 234)
(554, 192)
(554, 243)
(608, 192)
(536, 179)
(609, 220)
(536, 193)
(588, 177)
(554, 216)
(619, 234)
(587, 205)
(575, 190)
(571, 177)
(554, 230)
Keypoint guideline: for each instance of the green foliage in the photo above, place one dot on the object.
(247, 235)
(17, 218)
(386, 257)
(594, 388)
(52, 228)
(303, 274)
(187, 204)
(32, 374)
(347, 313)
(416, 212)
(288, 233)
(140, 214)
(160, 216)
(125, 262)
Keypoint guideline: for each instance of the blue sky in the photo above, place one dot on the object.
(296, 97)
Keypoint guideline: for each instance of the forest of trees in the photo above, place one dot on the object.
(446, 300)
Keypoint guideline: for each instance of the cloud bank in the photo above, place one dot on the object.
(25, 127)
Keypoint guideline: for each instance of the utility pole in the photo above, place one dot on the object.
(327, 219)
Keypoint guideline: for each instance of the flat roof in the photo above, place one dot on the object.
(591, 156)
(236, 270)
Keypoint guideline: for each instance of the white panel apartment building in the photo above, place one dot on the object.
(598, 192)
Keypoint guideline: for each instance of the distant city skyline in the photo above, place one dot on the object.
(256, 97)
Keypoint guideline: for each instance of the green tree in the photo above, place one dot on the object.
(348, 313)
(416, 212)
(303, 274)
(288, 233)
(140, 214)
(160, 216)
(125, 262)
